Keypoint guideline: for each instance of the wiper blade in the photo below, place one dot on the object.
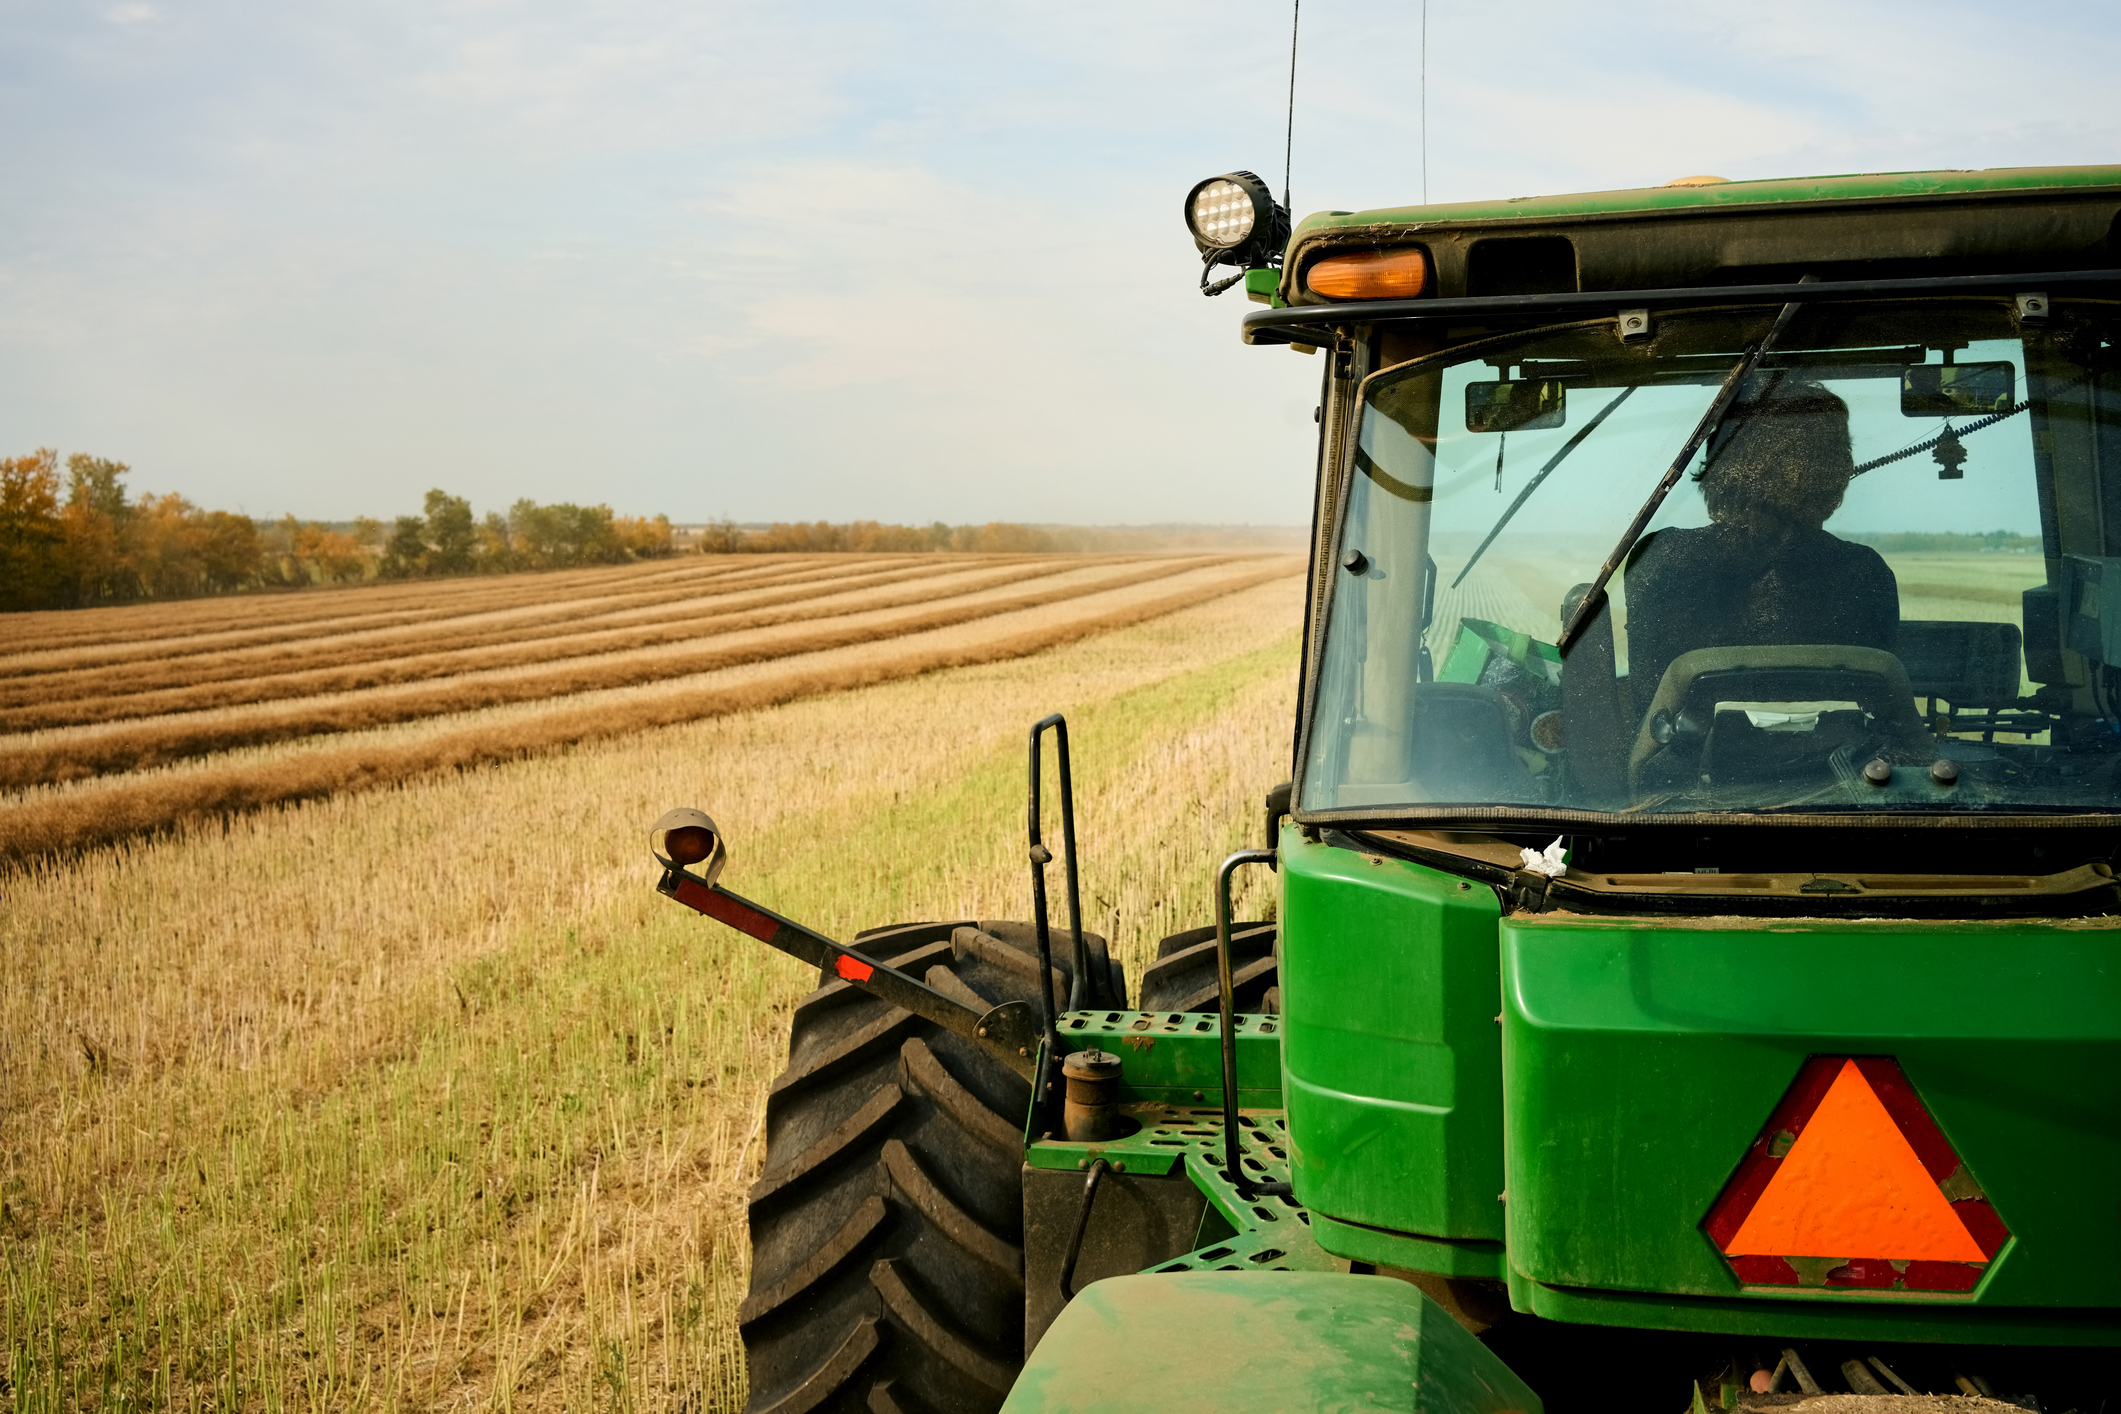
(1541, 475)
(1588, 608)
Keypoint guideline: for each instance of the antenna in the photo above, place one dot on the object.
(1289, 141)
(1424, 100)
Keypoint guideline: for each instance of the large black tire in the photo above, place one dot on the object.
(887, 1228)
(1183, 977)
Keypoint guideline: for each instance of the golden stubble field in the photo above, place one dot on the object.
(348, 1058)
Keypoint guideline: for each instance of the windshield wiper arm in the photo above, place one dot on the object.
(1588, 608)
(1541, 475)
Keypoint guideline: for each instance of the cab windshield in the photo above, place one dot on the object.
(1890, 581)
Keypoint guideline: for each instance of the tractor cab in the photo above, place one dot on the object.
(1711, 721)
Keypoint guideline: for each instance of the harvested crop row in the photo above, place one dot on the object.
(541, 619)
(131, 808)
(62, 628)
(402, 655)
(121, 622)
(153, 743)
(110, 634)
(362, 670)
(455, 599)
(518, 602)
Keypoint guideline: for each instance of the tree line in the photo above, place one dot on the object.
(726, 537)
(75, 537)
(1992, 542)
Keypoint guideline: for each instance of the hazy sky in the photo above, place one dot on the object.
(912, 262)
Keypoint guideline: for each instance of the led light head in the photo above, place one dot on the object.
(1224, 212)
(1235, 220)
(685, 838)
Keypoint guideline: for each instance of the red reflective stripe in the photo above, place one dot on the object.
(1940, 1276)
(853, 969)
(1763, 1271)
(1981, 1220)
(1890, 1084)
(1758, 1166)
(716, 904)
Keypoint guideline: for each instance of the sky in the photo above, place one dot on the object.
(914, 262)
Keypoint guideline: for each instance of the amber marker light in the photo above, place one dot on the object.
(1373, 274)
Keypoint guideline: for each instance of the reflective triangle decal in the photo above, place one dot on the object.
(1851, 1184)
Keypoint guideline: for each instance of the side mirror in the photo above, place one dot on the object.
(1516, 406)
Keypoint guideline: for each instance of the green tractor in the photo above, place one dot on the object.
(1695, 981)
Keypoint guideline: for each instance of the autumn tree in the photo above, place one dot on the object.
(229, 551)
(451, 533)
(644, 537)
(497, 545)
(720, 537)
(30, 534)
(405, 553)
(97, 522)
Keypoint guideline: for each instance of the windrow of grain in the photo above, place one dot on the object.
(509, 602)
(353, 661)
(74, 820)
(73, 627)
(131, 746)
(364, 1104)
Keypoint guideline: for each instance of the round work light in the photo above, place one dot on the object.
(1235, 221)
(1224, 211)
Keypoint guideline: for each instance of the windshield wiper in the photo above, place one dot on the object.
(1541, 475)
(1588, 608)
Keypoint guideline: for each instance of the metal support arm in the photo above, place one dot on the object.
(1011, 1031)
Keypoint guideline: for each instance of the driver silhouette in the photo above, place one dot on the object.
(1765, 570)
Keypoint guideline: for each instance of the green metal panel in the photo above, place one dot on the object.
(1875, 186)
(1642, 1058)
(1259, 1231)
(1261, 1343)
(1382, 1248)
(1176, 1058)
(1391, 1056)
(1804, 1318)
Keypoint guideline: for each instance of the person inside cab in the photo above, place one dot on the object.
(1764, 570)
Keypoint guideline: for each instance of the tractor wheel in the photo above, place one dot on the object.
(887, 1227)
(1183, 977)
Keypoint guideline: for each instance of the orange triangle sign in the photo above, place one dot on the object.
(1852, 1186)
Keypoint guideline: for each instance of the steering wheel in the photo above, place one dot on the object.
(1774, 711)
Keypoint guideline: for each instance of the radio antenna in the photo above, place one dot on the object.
(1289, 140)
(1424, 101)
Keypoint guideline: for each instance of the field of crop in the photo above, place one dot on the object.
(348, 1058)
(130, 720)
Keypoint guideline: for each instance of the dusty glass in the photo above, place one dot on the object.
(1858, 598)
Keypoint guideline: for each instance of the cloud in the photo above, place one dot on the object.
(914, 262)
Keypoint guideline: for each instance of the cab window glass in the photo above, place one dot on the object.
(1868, 563)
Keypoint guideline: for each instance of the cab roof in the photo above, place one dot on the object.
(1709, 232)
(1862, 186)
